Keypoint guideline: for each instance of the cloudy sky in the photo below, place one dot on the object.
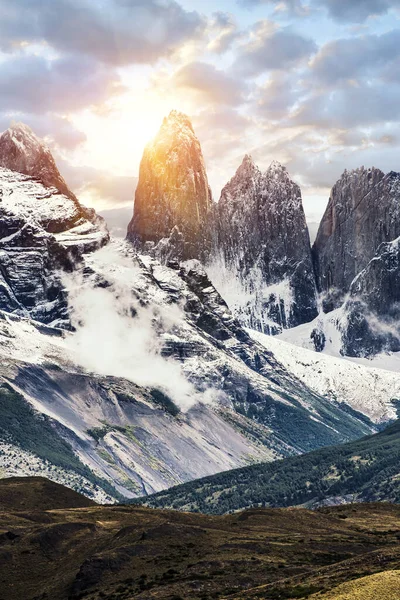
(314, 84)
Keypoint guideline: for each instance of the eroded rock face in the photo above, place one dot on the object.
(173, 191)
(42, 232)
(374, 305)
(264, 242)
(363, 212)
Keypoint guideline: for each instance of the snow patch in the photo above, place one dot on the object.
(360, 383)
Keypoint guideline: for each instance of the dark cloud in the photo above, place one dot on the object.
(351, 106)
(211, 84)
(365, 56)
(113, 31)
(272, 49)
(351, 83)
(358, 11)
(277, 96)
(291, 6)
(350, 11)
(33, 84)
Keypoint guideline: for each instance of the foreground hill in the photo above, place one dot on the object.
(365, 470)
(38, 493)
(126, 552)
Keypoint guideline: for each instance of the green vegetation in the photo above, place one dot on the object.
(98, 433)
(366, 470)
(165, 402)
(36, 433)
(293, 424)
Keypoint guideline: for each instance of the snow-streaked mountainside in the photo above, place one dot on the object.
(366, 386)
(262, 243)
(177, 392)
(155, 383)
(122, 369)
(41, 232)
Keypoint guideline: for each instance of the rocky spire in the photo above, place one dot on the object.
(173, 190)
(264, 242)
(22, 151)
(363, 212)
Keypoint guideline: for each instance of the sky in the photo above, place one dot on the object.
(314, 84)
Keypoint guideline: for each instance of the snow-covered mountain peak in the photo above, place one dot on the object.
(248, 166)
(245, 181)
(22, 151)
(22, 134)
(247, 161)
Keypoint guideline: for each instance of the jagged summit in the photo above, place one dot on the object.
(363, 212)
(263, 239)
(247, 176)
(177, 120)
(22, 151)
(173, 189)
(276, 170)
(247, 160)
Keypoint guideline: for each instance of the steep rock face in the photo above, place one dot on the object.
(362, 213)
(41, 233)
(172, 191)
(263, 241)
(373, 305)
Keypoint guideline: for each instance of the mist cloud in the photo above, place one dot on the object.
(116, 336)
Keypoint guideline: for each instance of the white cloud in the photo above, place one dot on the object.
(116, 336)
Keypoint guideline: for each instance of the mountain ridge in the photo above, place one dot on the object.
(364, 470)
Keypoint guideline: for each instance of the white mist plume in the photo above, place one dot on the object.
(116, 336)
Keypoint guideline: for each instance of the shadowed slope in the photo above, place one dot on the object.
(38, 493)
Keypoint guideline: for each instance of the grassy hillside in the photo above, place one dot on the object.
(365, 470)
(382, 585)
(129, 552)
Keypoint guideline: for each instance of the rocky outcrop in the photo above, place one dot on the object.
(42, 232)
(264, 243)
(362, 213)
(373, 305)
(172, 192)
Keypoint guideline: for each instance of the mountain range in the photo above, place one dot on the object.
(130, 366)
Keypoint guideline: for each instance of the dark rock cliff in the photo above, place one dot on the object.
(362, 213)
(263, 239)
